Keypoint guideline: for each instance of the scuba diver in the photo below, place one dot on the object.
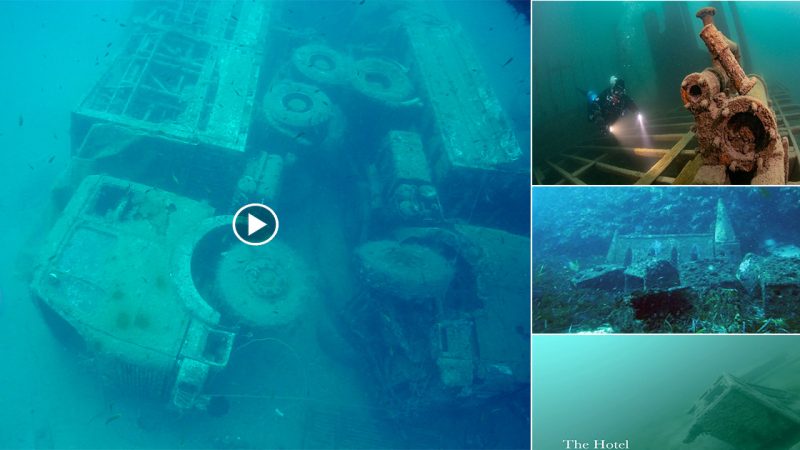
(610, 105)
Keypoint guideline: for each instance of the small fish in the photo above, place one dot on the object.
(279, 412)
(105, 54)
(362, 2)
(53, 157)
(113, 418)
(30, 166)
(235, 91)
(235, 19)
(508, 61)
(300, 134)
(122, 25)
(108, 45)
(21, 120)
(502, 368)
(175, 179)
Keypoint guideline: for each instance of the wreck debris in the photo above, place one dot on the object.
(724, 51)
(406, 192)
(747, 416)
(264, 287)
(405, 271)
(652, 274)
(385, 81)
(146, 330)
(609, 277)
(322, 64)
(775, 281)
(710, 273)
(735, 127)
(299, 111)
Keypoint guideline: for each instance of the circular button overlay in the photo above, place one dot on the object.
(255, 224)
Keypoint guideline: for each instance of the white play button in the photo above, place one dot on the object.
(254, 224)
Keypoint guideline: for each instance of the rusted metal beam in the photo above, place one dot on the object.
(662, 164)
(572, 179)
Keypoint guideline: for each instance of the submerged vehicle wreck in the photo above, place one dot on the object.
(194, 119)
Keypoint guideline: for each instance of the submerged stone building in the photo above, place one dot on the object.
(720, 243)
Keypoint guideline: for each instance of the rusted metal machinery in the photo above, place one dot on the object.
(734, 135)
(736, 130)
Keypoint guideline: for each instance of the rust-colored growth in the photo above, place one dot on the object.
(720, 48)
(749, 133)
(699, 89)
(743, 138)
(706, 14)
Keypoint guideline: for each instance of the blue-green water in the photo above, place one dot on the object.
(365, 364)
(640, 388)
(577, 46)
(575, 230)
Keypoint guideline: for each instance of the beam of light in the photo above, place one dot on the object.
(630, 132)
(643, 130)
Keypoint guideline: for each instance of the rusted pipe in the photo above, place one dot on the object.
(699, 89)
(722, 51)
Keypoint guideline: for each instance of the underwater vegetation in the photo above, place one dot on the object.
(699, 260)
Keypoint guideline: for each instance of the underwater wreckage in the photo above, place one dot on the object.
(757, 410)
(194, 119)
(692, 282)
(740, 132)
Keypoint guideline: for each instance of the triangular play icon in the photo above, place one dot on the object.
(254, 224)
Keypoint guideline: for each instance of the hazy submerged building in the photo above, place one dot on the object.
(720, 243)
